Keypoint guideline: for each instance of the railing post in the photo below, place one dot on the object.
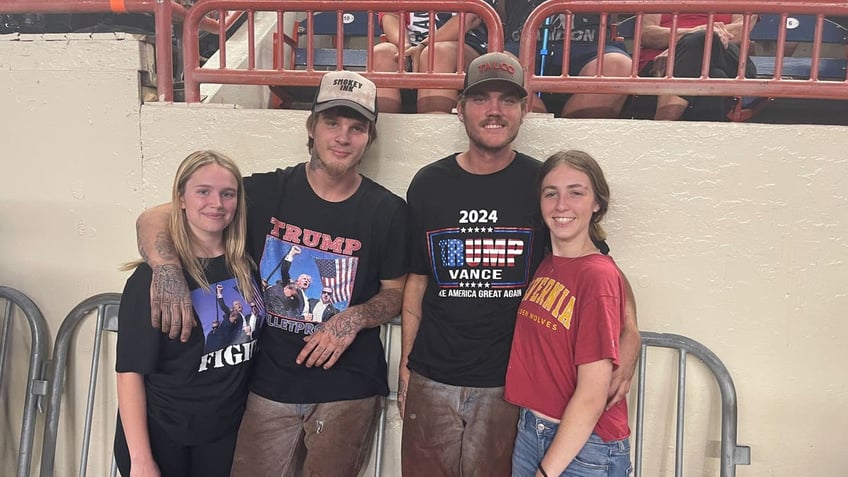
(164, 50)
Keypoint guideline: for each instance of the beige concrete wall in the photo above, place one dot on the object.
(732, 234)
(70, 167)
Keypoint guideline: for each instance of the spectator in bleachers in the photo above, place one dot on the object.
(416, 27)
(689, 53)
(583, 59)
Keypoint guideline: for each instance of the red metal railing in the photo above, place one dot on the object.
(776, 86)
(164, 12)
(194, 75)
(196, 19)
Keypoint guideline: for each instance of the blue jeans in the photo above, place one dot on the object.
(596, 459)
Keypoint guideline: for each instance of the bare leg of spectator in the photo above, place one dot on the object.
(441, 100)
(670, 107)
(599, 105)
(534, 104)
(386, 59)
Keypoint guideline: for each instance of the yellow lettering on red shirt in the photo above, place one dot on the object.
(565, 316)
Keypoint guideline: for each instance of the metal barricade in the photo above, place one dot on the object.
(36, 385)
(732, 454)
(105, 307)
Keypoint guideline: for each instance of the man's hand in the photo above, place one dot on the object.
(326, 345)
(293, 251)
(619, 385)
(170, 302)
(724, 35)
(403, 384)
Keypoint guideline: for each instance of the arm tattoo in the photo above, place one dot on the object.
(165, 247)
(381, 308)
(169, 283)
(140, 245)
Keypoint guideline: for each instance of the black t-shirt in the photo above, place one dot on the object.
(195, 390)
(479, 239)
(584, 29)
(345, 247)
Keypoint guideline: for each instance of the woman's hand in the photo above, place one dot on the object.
(144, 467)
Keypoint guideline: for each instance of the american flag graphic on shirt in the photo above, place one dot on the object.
(338, 274)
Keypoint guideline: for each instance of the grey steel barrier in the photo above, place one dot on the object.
(36, 385)
(732, 454)
(106, 307)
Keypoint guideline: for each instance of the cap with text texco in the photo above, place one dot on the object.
(495, 66)
(347, 89)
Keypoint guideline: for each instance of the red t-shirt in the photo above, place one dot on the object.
(571, 314)
(684, 20)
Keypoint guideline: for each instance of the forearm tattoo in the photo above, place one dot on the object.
(165, 247)
(381, 308)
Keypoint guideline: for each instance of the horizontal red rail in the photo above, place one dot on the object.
(197, 18)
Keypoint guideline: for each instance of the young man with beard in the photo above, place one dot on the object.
(476, 239)
(326, 394)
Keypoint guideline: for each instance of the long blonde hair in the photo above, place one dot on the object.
(237, 261)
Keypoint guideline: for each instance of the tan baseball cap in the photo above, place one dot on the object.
(348, 89)
(495, 66)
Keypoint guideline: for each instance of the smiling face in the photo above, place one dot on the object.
(492, 114)
(338, 141)
(209, 200)
(567, 205)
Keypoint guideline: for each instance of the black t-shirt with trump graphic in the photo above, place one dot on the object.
(196, 391)
(304, 245)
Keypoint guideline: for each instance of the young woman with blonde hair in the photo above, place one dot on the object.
(180, 403)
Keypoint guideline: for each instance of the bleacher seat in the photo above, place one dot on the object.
(354, 24)
(800, 29)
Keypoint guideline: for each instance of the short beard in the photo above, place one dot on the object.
(316, 163)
